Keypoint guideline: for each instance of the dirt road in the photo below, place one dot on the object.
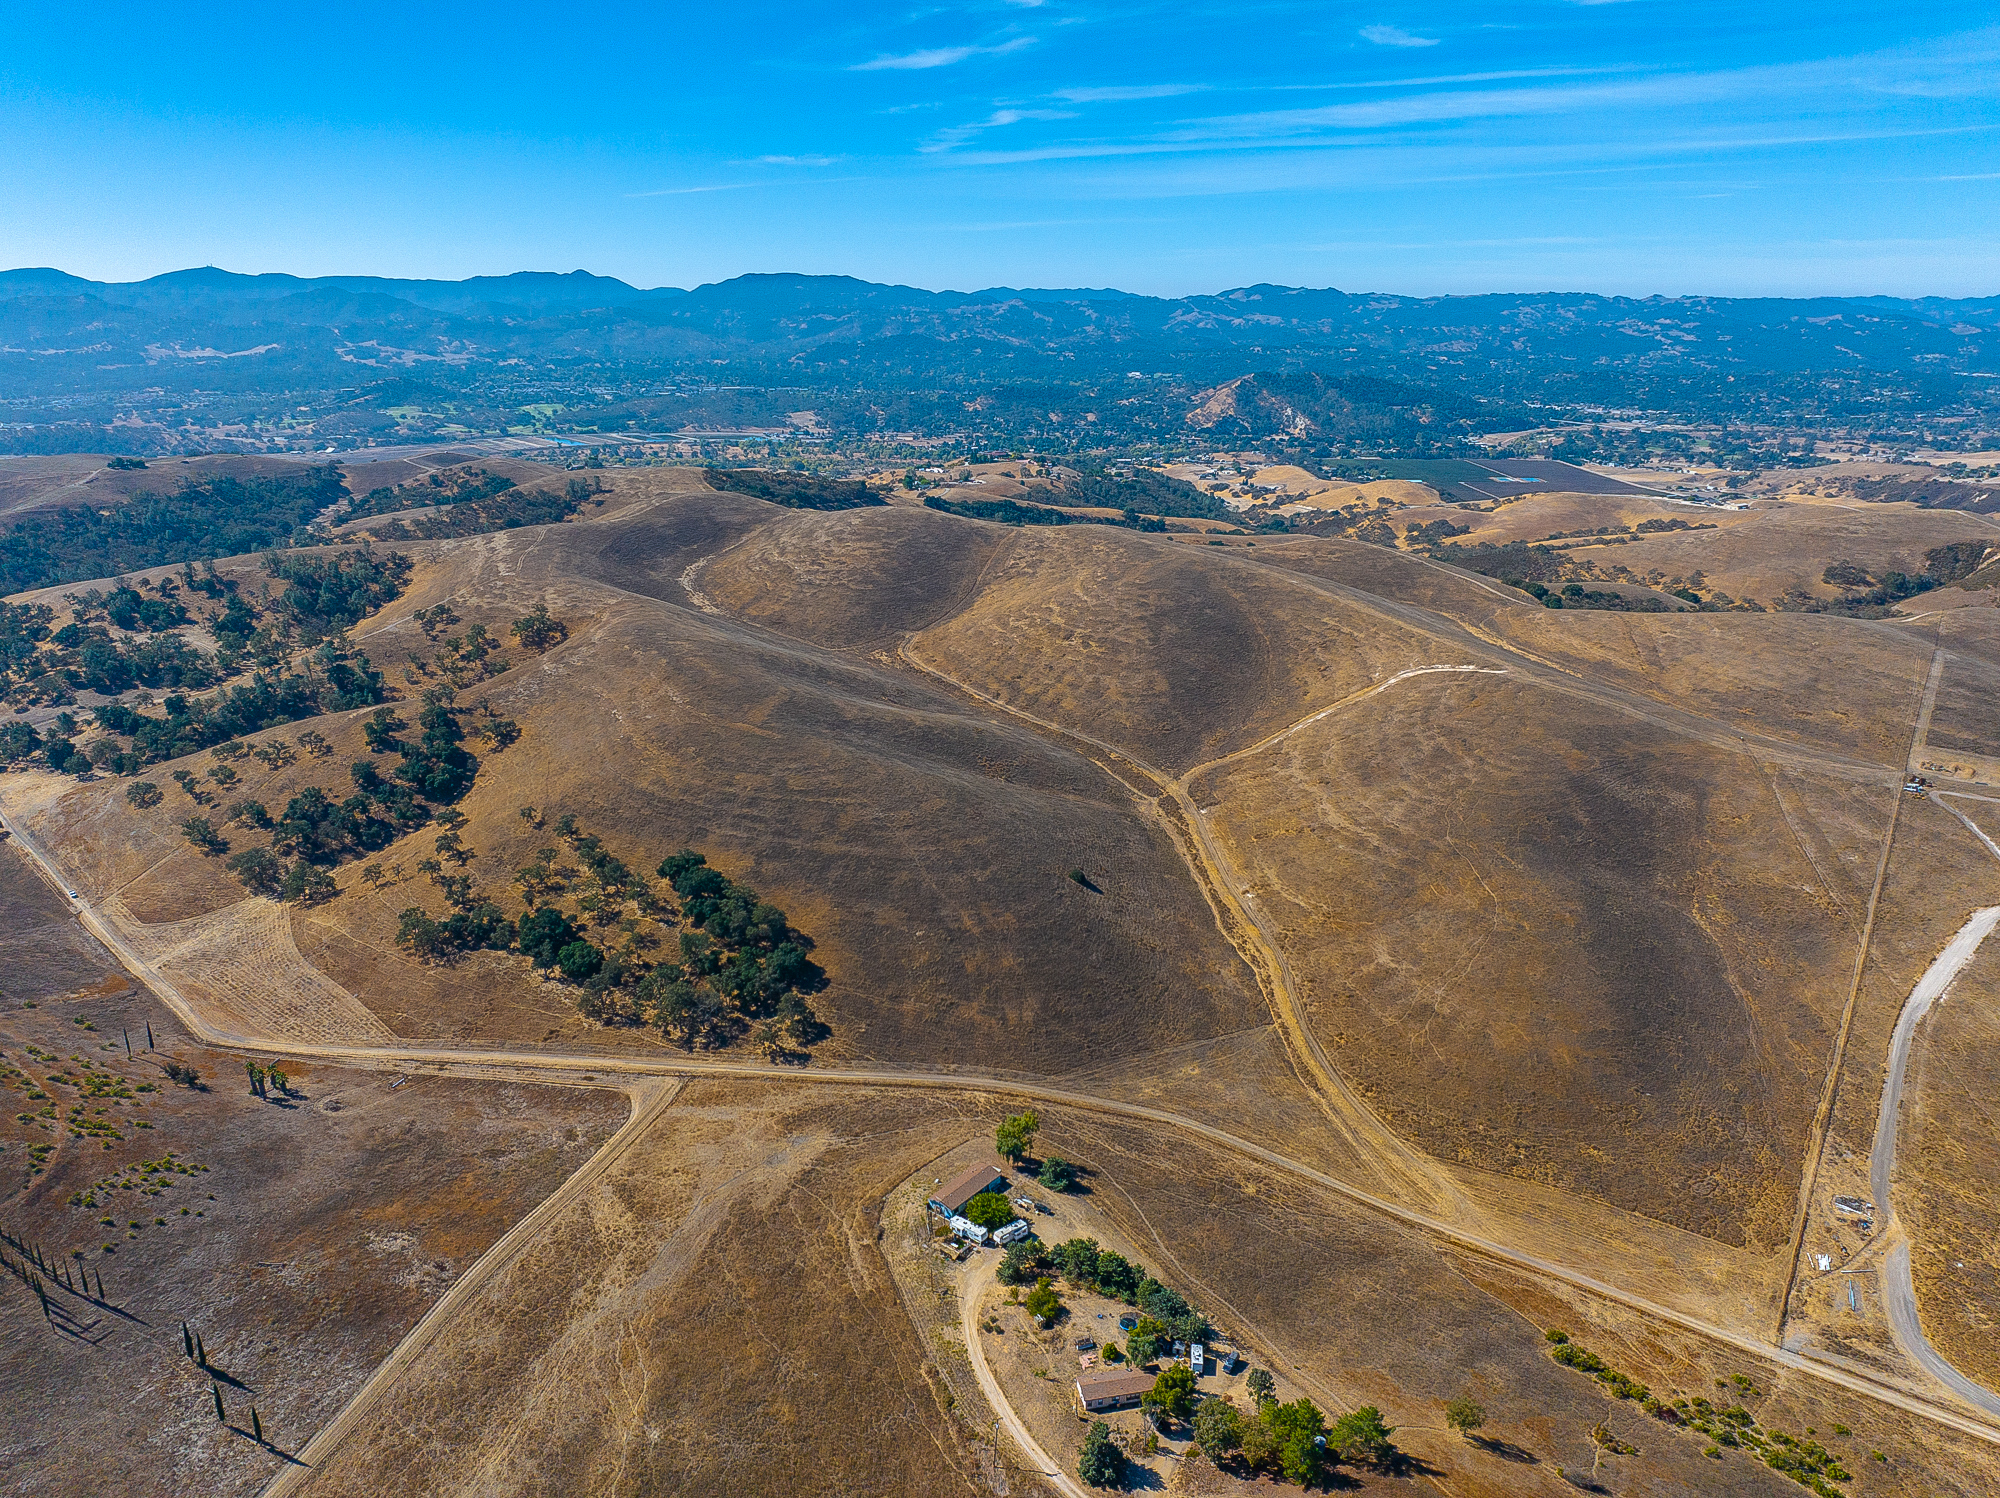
(1899, 1295)
(972, 1285)
(569, 1069)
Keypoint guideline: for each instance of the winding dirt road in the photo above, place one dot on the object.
(571, 1069)
(1899, 1294)
(972, 1285)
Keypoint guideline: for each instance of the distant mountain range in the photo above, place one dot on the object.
(74, 350)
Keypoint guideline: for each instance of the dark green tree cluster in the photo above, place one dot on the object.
(501, 512)
(797, 491)
(738, 967)
(1285, 1439)
(334, 680)
(325, 832)
(218, 517)
(262, 872)
(434, 765)
(480, 926)
(448, 487)
(537, 630)
(1171, 1399)
(326, 593)
(741, 963)
(1169, 1316)
(1143, 491)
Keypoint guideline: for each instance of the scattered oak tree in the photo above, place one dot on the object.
(1464, 1415)
(1016, 1135)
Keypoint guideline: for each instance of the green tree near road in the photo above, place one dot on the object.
(1016, 1136)
(1464, 1415)
(1101, 1464)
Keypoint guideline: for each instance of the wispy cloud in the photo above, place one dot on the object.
(938, 57)
(677, 192)
(1395, 36)
(1120, 93)
(798, 160)
(954, 136)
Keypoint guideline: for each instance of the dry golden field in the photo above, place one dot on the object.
(1442, 968)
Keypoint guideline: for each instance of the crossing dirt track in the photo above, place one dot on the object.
(1443, 968)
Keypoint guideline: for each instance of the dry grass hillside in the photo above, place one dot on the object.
(1542, 921)
(1583, 922)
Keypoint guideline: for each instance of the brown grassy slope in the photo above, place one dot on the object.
(1850, 686)
(1790, 546)
(858, 580)
(1546, 939)
(924, 847)
(1845, 684)
(1176, 653)
(1949, 1191)
(1966, 715)
(715, 1319)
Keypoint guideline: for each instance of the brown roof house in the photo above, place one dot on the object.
(951, 1197)
(1112, 1389)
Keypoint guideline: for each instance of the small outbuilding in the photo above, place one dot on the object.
(950, 1197)
(1109, 1389)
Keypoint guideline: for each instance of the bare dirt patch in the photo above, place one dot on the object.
(301, 1236)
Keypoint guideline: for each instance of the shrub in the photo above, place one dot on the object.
(259, 870)
(537, 631)
(201, 832)
(1057, 1174)
(144, 794)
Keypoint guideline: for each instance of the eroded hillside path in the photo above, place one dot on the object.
(1401, 1169)
(621, 1072)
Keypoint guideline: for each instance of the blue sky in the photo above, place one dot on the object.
(1650, 146)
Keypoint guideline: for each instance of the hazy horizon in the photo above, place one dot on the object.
(1623, 149)
(1076, 291)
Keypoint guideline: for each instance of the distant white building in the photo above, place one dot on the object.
(1198, 1359)
(1014, 1232)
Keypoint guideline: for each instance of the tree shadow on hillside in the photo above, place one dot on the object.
(1507, 1451)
